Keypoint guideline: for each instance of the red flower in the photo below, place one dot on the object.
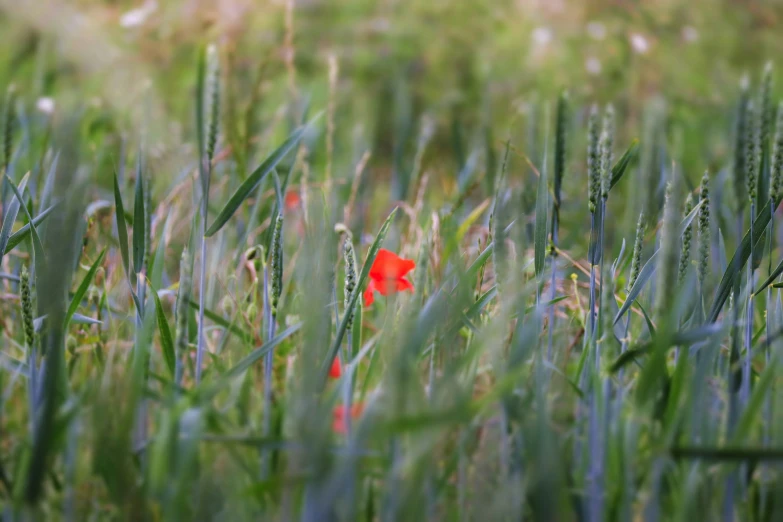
(338, 417)
(387, 275)
(335, 371)
(292, 199)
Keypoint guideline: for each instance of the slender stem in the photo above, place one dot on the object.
(141, 408)
(768, 408)
(745, 391)
(32, 387)
(591, 305)
(202, 291)
(551, 321)
(268, 360)
(601, 274)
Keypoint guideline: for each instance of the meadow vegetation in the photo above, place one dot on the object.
(439, 271)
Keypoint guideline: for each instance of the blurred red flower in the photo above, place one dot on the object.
(292, 199)
(387, 275)
(338, 417)
(335, 371)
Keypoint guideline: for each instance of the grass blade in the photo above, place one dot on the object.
(542, 205)
(252, 181)
(623, 163)
(220, 321)
(83, 287)
(755, 403)
(37, 245)
(122, 227)
(166, 339)
(10, 217)
(727, 454)
(21, 234)
(210, 388)
(139, 237)
(738, 260)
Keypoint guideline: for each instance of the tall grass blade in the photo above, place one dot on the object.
(76, 301)
(9, 218)
(738, 261)
(122, 228)
(252, 181)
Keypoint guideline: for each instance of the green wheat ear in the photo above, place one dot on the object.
(605, 145)
(276, 264)
(183, 296)
(593, 158)
(776, 176)
(8, 125)
(704, 229)
(212, 100)
(740, 145)
(349, 256)
(752, 150)
(27, 307)
(636, 260)
(687, 236)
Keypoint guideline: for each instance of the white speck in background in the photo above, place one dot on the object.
(593, 65)
(45, 105)
(136, 17)
(596, 30)
(639, 43)
(541, 36)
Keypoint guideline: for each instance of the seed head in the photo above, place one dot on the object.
(636, 260)
(212, 100)
(593, 159)
(704, 229)
(752, 150)
(687, 236)
(740, 145)
(27, 308)
(349, 256)
(276, 263)
(606, 144)
(776, 176)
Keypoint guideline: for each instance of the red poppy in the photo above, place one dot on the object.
(335, 371)
(387, 275)
(292, 199)
(338, 417)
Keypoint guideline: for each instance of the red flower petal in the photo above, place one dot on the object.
(338, 417)
(388, 265)
(292, 199)
(369, 298)
(335, 371)
(403, 284)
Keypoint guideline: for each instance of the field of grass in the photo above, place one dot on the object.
(391, 261)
